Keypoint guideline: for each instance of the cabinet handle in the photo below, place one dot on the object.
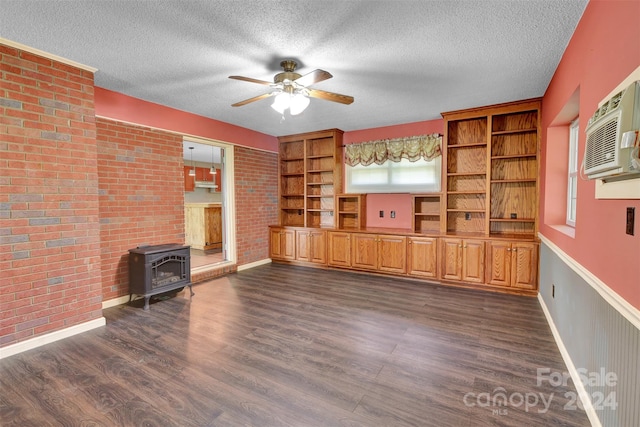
(459, 246)
(508, 249)
(464, 246)
(515, 250)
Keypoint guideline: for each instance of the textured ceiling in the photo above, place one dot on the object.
(402, 61)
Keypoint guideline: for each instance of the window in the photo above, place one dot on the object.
(572, 182)
(395, 177)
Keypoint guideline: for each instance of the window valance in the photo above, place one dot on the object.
(427, 147)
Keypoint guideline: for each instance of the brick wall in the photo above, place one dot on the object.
(141, 187)
(49, 233)
(256, 187)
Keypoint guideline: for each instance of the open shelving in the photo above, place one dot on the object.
(351, 211)
(492, 169)
(310, 176)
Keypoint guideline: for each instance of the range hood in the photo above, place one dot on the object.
(206, 184)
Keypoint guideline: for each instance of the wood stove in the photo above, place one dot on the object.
(158, 269)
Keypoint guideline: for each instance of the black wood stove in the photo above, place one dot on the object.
(158, 269)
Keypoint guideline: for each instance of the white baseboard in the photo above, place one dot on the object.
(575, 376)
(116, 301)
(32, 343)
(254, 264)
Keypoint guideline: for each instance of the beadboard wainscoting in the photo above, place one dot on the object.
(598, 334)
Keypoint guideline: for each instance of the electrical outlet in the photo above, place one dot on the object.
(393, 214)
(381, 214)
(631, 217)
(467, 216)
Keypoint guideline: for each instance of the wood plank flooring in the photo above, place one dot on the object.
(293, 346)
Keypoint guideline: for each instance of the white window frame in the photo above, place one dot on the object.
(390, 177)
(572, 173)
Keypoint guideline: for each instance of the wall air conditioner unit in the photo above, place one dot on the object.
(613, 144)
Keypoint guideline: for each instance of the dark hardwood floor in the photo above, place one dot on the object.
(292, 346)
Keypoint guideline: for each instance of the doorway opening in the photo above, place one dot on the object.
(206, 203)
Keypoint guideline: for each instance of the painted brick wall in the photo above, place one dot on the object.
(141, 187)
(256, 175)
(49, 232)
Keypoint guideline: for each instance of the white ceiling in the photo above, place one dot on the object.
(402, 61)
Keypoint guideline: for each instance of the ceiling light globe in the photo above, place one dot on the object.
(281, 102)
(298, 104)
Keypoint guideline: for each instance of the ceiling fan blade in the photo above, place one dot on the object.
(330, 96)
(315, 76)
(247, 101)
(249, 79)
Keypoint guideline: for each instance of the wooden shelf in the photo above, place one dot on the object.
(479, 192)
(472, 145)
(498, 175)
(351, 211)
(291, 159)
(513, 132)
(513, 156)
(466, 173)
(513, 181)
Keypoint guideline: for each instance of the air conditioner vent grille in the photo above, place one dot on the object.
(601, 145)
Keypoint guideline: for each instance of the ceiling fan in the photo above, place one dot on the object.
(291, 90)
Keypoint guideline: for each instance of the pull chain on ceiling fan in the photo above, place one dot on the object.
(290, 89)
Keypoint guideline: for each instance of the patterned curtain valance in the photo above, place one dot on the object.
(414, 148)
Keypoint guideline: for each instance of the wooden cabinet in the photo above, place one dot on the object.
(514, 171)
(465, 173)
(310, 177)
(351, 210)
(282, 243)
(364, 251)
(203, 226)
(383, 252)
(311, 246)
(189, 181)
(202, 175)
(512, 264)
(422, 257)
(339, 248)
(463, 260)
(491, 173)
(392, 254)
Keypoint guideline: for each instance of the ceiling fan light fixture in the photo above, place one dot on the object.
(281, 102)
(299, 102)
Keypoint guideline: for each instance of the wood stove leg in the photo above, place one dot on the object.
(146, 303)
(191, 289)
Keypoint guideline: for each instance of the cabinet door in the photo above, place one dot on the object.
(339, 249)
(364, 251)
(282, 243)
(303, 245)
(213, 221)
(499, 263)
(392, 254)
(452, 259)
(473, 261)
(189, 181)
(422, 256)
(318, 246)
(524, 265)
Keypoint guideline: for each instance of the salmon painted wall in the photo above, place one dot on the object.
(603, 51)
(117, 106)
(400, 203)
